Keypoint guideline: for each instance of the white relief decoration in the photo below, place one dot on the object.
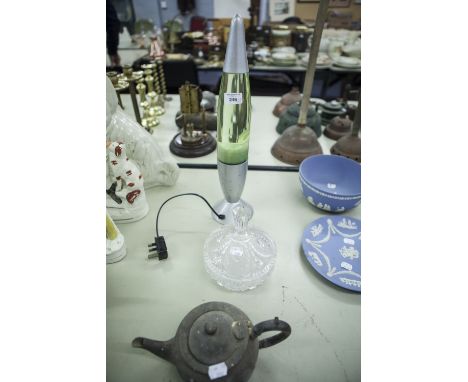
(332, 196)
(311, 200)
(349, 252)
(340, 209)
(333, 272)
(316, 258)
(350, 282)
(347, 223)
(316, 230)
(331, 185)
(319, 258)
(325, 206)
(346, 266)
(333, 229)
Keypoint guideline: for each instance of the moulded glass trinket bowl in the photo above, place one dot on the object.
(239, 257)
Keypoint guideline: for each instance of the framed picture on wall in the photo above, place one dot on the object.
(339, 3)
(281, 9)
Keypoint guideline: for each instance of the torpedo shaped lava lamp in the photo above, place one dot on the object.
(236, 256)
(234, 111)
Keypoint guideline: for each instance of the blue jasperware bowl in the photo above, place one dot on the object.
(331, 182)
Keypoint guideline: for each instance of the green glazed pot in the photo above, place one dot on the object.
(291, 115)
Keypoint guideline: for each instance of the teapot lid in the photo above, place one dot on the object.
(212, 333)
(341, 123)
(333, 106)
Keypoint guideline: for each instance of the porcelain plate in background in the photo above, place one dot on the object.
(332, 245)
(347, 62)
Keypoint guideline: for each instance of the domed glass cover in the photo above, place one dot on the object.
(239, 257)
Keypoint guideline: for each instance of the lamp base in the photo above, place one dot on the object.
(239, 257)
(224, 207)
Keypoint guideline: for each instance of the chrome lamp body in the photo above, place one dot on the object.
(233, 125)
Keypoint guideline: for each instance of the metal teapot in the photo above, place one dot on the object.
(287, 99)
(338, 127)
(330, 110)
(216, 340)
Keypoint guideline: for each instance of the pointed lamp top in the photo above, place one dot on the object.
(235, 60)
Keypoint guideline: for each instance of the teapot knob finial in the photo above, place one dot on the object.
(210, 328)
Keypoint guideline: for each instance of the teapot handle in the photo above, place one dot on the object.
(271, 325)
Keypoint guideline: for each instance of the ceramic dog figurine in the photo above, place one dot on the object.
(154, 162)
(126, 201)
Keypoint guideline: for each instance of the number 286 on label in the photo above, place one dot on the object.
(233, 98)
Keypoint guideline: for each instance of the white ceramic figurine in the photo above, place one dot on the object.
(156, 165)
(115, 242)
(126, 200)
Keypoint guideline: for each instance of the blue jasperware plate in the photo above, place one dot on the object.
(332, 245)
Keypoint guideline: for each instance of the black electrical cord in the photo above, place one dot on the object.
(159, 245)
(220, 216)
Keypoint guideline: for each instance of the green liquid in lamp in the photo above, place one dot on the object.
(234, 109)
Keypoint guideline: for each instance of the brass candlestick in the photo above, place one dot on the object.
(149, 120)
(150, 66)
(158, 88)
(150, 70)
(119, 85)
(155, 109)
(141, 88)
(151, 76)
(162, 78)
(156, 82)
(130, 75)
(149, 81)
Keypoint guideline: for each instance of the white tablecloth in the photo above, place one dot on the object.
(149, 298)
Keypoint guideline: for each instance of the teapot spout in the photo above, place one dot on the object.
(162, 349)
